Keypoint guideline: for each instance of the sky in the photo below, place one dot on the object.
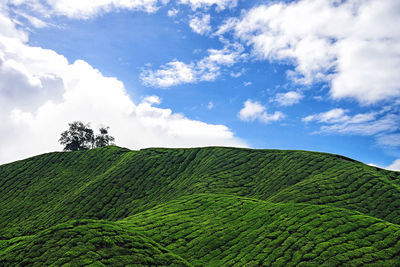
(320, 75)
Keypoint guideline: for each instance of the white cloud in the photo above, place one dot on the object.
(237, 74)
(389, 140)
(40, 92)
(210, 105)
(152, 99)
(228, 25)
(384, 124)
(34, 21)
(207, 69)
(354, 45)
(173, 12)
(253, 110)
(395, 166)
(373, 165)
(201, 25)
(8, 28)
(289, 98)
(331, 116)
(247, 83)
(337, 121)
(85, 9)
(172, 73)
(205, 4)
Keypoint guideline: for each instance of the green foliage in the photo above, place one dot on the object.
(84, 242)
(103, 139)
(211, 206)
(80, 136)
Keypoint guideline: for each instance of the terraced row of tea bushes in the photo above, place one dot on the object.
(211, 206)
(350, 188)
(113, 183)
(31, 189)
(82, 243)
(220, 230)
(215, 230)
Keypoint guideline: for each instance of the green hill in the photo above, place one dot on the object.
(202, 206)
(85, 242)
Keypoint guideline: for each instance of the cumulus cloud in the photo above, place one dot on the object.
(205, 4)
(395, 166)
(353, 45)
(289, 98)
(40, 92)
(8, 28)
(369, 124)
(253, 110)
(152, 99)
(200, 24)
(207, 69)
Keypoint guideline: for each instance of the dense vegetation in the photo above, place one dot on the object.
(201, 206)
(80, 136)
(86, 242)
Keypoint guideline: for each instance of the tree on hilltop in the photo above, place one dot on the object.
(80, 136)
(104, 139)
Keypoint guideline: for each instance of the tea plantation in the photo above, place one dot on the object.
(210, 206)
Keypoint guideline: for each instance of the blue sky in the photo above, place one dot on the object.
(308, 74)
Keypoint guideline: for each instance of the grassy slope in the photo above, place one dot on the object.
(79, 243)
(212, 229)
(114, 183)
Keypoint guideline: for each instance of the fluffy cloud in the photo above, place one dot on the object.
(253, 110)
(395, 166)
(173, 12)
(220, 4)
(40, 92)
(289, 98)
(368, 124)
(354, 45)
(8, 28)
(172, 73)
(201, 25)
(207, 69)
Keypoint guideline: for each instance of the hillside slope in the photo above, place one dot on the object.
(179, 186)
(218, 230)
(85, 242)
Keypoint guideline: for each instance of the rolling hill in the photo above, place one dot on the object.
(210, 206)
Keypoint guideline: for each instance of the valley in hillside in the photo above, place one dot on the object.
(211, 206)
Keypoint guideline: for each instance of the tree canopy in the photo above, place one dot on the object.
(80, 136)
